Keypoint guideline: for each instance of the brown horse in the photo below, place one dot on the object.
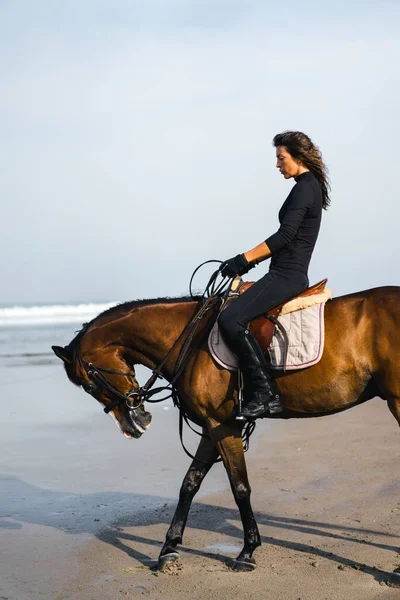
(361, 360)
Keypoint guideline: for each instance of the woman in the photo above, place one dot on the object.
(290, 249)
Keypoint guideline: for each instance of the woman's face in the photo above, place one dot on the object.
(287, 165)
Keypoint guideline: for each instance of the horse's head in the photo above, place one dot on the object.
(111, 382)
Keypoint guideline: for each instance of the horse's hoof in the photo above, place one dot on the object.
(167, 561)
(394, 579)
(245, 565)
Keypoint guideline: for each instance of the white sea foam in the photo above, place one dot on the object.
(55, 314)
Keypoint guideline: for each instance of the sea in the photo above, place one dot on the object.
(28, 332)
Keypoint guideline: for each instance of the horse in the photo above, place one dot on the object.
(360, 361)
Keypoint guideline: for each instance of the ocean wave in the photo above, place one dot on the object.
(49, 315)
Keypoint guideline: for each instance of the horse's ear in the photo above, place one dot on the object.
(63, 353)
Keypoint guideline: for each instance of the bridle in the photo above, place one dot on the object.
(98, 380)
(213, 295)
(135, 398)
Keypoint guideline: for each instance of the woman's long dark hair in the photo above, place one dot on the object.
(301, 148)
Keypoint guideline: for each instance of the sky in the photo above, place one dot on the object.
(136, 140)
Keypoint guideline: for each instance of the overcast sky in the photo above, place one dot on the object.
(135, 140)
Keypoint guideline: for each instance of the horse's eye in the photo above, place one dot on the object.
(89, 388)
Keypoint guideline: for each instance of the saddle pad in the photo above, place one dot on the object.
(306, 332)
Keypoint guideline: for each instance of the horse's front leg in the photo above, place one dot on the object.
(205, 457)
(228, 440)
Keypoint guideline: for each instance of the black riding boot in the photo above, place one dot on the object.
(264, 396)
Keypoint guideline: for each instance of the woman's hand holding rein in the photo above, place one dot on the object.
(238, 265)
(242, 263)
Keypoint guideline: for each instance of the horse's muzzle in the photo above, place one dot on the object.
(138, 421)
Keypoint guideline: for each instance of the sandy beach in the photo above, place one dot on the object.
(84, 511)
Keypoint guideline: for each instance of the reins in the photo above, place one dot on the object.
(214, 294)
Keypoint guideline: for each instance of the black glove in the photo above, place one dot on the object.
(237, 265)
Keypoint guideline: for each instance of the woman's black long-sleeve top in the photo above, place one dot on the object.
(300, 218)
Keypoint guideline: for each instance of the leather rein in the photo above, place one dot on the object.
(135, 398)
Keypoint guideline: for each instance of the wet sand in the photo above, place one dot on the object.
(84, 511)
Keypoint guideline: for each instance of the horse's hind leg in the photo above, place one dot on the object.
(205, 457)
(229, 442)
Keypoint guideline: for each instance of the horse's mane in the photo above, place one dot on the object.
(126, 307)
(119, 309)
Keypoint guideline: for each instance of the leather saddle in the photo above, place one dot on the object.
(262, 328)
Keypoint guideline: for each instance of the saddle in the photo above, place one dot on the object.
(263, 328)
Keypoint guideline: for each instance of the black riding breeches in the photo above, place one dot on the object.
(276, 287)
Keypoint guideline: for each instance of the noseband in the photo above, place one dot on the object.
(132, 399)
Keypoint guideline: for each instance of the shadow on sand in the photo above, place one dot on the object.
(103, 514)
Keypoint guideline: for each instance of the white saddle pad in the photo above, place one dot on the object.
(305, 329)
